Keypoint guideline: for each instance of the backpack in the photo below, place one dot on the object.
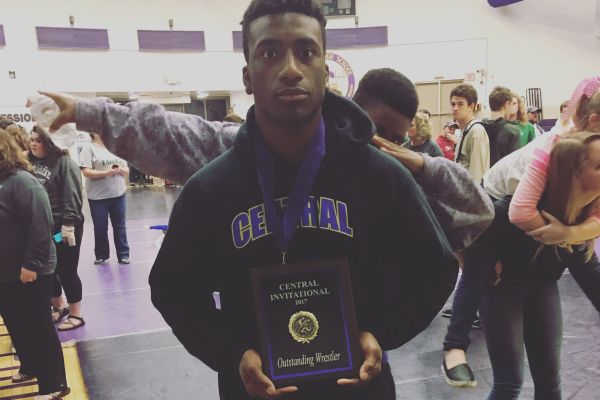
(485, 124)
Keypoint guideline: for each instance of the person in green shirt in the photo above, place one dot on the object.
(520, 119)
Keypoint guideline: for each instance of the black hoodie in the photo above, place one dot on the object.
(401, 265)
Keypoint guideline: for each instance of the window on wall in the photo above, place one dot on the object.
(333, 8)
(214, 109)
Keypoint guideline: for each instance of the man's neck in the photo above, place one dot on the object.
(497, 114)
(288, 141)
(462, 124)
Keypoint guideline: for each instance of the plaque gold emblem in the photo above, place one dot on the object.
(303, 326)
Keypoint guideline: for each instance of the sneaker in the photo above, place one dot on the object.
(53, 396)
(20, 377)
(447, 313)
(124, 260)
(99, 261)
(459, 376)
(476, 324)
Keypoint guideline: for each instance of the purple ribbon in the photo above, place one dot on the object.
(284, 227)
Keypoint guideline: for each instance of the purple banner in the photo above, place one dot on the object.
(353, 37)
(171, 40)
(340, 38)
(72, 38)
(2, 38)
(502, 3)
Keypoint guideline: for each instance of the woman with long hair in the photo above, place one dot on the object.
(105, 186)
(26, 270)
(523, 311)
(61, 177)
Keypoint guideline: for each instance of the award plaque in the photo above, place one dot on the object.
(307, 322)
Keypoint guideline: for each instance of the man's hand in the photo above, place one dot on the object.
(66, 104)
(68, 235)
(27, 276)
(555, 232)
(451, 137)
(411, 160)
(371, 367)
(257, 383)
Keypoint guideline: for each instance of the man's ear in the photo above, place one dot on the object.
(326, 73)
(246, 79)
(594, 120)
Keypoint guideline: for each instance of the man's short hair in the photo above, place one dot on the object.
(391, 88)
(260, 8)
(499, 96)
(467, 91)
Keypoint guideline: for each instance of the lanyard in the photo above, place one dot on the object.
(284, 227)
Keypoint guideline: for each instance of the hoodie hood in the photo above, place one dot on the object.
(343, 116)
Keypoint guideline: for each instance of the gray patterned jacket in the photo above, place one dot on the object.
(174, 146)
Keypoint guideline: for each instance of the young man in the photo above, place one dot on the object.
(504, 136)
(533, 114)
(208, 246)
(473, 149)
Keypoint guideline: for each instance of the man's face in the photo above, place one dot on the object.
(390, 124)
(533, 117)
(449, 130)
(461, 110)
(286, 68)
(512, 107)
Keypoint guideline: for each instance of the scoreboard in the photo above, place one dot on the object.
(333, 8)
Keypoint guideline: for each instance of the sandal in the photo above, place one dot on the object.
(69, 325)
(58, 314)
(21, 377)
(54, 396)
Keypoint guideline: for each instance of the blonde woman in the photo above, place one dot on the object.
(419, 137)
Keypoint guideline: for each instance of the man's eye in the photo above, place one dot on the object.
(270, 53)
(307, 53)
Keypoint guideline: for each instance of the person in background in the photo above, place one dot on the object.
(564, 123)
(233, 118)
(419, 137)
(105, 185)
(503, 136)
(28, 264)
(426, 112)
(474, 146)
(519, 117)
(533, 115)
(19, 134)
(447, 140)
(61, 178)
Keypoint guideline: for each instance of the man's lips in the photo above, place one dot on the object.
(290, 95)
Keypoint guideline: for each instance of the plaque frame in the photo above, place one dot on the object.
(344, 301)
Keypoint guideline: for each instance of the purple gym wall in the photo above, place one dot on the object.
(2, 38)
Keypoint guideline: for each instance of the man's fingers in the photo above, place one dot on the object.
(538, 231)
(58, 98)
(346, 381)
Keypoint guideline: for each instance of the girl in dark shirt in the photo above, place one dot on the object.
(61, 177)
(26, 272)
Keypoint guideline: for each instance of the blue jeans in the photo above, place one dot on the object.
(477, 272)
(100, 210)
(519, 317)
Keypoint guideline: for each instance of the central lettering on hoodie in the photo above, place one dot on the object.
(321, 213)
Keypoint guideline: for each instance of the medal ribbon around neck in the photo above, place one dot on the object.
(284, 227)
